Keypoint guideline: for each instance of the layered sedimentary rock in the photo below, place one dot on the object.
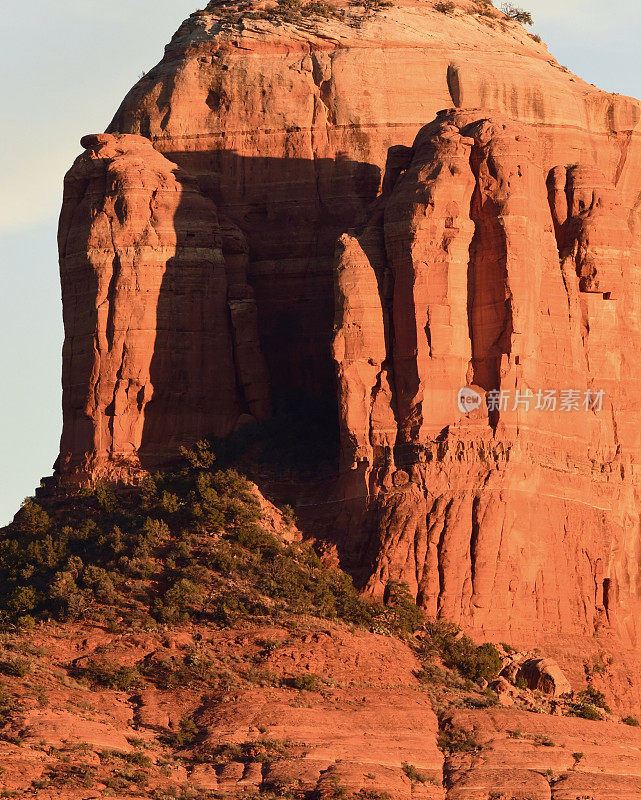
(160, 325)
(497, 252)
(286, 122)
(518, 514)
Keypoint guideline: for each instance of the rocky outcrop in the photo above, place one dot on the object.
(521, 755)
(515, 515)
(286, 120)
(544, 675)
(160, 324)
(367, 728)
(497, 251)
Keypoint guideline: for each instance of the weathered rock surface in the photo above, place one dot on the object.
(512, 519)
(533, 756)
(287, 126)
(368, 728)
(544, 675)
(160, 325)
(502, 254)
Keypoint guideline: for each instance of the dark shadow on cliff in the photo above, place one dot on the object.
(291, 211)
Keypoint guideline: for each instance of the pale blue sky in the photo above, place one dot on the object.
(67, 65)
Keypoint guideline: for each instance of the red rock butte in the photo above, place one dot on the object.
(283, 205)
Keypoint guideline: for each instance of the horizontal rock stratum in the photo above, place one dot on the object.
(492, 247)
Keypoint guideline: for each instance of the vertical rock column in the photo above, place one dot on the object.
(149, 354)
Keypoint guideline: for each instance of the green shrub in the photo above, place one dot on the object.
(186, 544)
(403, 616)
(632, 721)
(263, 677)
(446, 7)
(32, 520)
(595, 698)
(186, 735)
(9, 706)
(457, 740)
(106, 498)
(191, 671)
(415, 775)
(521, 683)
(67, 776)
(305, 683)
(15, 667)
(476, 663)
(488, 700)
(262, 751)
(585, 711)
(108, 675)
(200, 456)
(430, 674)
(136, 758)
(517, 14)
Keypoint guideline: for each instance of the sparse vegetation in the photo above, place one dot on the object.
(67, 776)
(402, 613)
(594, 697)
(445, 640)
(456, 740)
(187, 544)
(14, 667)
(298, 12)
(293, 11)
(517, 14)
(305, 683)
(10, 714)
(110, 676)
(488, 699)
(446, 7)
(136, 758)
(543, 741)
(415, 775)
(261, 751)
(186, 735)
(632, 721)
(585, 711)
(484, 8)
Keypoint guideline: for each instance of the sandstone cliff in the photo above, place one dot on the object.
(465, 288)
(495, 249)
(285, 124)
(161, 340)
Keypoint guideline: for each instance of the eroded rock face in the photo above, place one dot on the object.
(545, 675)
(287, 126)
(510, 517)
(497, 251)
(160, 325)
